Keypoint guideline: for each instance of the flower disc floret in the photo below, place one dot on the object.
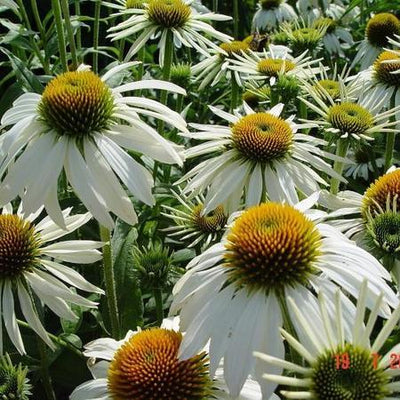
(272, 246)
(272, 67)
(384, 229)
(270, 4)
(18, 246)
(386, 187)
(135, 4)
(383, 70)
(350, 118)
(234, 47)
(330, 86)
(168, 13)
(210, 223)
(262, 137)
(360, 381)
(77, 103)
(146, 367)
(380, 27)
(329, 24)
(306, 37)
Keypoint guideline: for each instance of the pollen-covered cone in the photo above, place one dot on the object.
(145, 366)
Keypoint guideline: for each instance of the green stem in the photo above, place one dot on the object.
(341, 151)
(303, 111)
(159, 305)
(34, 44)
(56, 339)
(236, 19)
(390, 139)
(215, 6)
(168, 56)
(44, 369)
(55, 4)
(38, 22)
(109, 281)
(235, 92)
(264, 189)
(96, 29)
(70, 33)
(78, 31)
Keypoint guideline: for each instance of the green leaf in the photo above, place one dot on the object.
(24, 74)
(129, 296)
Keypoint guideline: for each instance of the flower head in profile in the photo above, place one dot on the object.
(192, 228)
(336, 37)
(382, 78)
(145, 365)
(258, 153)
(373, 218)
(271, 64)
(337, 365)
(30, 264)
(364, 159)
(161, 18)
(213, 69)
(380, 28)
(271, 13)
(81, 124)
(233, 294)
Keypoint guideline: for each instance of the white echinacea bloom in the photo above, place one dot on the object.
(372, 219)
(271, 13)
(339, 366)
(30, 265)
(274, 62)
(171, 20)
(259, 153)
(380, 28)
(234, 293)
(213, 69)
(382, 79)
(81, 124)
(145, 365)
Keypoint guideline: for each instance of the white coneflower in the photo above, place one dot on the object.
(145, 366)
(234, 293)
(348, 117)
(363, 163)
(271, 13)
(384, 75)
(339, 366)
(159, 17)
(28, 263)
(336, 37)
(213, 69)
(81, 124)
(373, 218)
(380, 28)
(273, 63)
(260, 153)
(191, 226)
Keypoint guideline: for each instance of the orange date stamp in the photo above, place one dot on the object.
(343, 360)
